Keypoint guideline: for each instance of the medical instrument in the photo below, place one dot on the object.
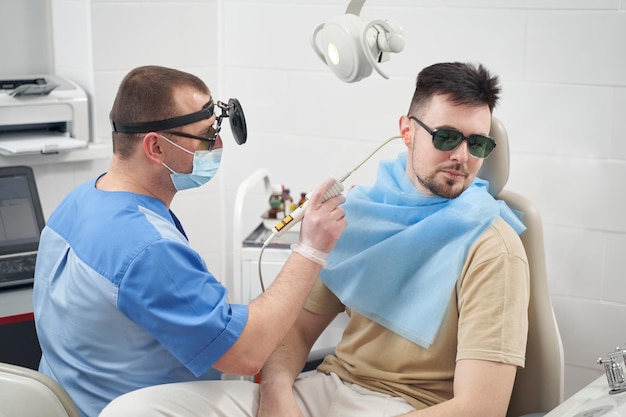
(292, 219)
(295, 216)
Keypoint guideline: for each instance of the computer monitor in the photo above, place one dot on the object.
(21, 216)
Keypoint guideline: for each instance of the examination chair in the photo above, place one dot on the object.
(27, 393)
(539, 386)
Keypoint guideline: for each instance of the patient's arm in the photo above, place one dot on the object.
(286, 363)
(481, 389)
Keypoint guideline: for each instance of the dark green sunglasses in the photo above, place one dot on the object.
(479, 146)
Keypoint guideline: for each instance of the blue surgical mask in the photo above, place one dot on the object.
(205, 166)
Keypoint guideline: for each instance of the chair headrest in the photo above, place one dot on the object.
(495, 168)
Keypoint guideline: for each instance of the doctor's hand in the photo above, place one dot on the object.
(323, 221)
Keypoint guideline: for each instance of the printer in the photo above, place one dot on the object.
(42, 115)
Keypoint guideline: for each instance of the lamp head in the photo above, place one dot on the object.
(351, 48)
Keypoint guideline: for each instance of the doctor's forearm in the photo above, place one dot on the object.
(270, 317)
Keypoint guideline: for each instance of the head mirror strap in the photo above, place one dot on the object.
(159, 125)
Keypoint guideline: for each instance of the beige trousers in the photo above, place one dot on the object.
(319, 395)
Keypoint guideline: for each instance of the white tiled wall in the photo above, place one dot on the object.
(563, 68)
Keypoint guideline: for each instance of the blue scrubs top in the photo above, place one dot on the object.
(122, 302)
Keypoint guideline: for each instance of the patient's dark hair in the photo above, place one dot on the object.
(146, 94)
(465, 83)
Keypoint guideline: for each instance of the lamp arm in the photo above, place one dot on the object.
(355, 7)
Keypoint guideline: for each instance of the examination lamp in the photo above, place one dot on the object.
(351, 48)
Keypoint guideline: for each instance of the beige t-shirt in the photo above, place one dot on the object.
(487, 319)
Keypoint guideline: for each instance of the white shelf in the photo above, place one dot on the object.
(93, 151)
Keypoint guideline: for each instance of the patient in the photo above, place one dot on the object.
(431, 271)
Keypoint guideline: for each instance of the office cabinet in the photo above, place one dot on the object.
(271, 263)
(19, 344)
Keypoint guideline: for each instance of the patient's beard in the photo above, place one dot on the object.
(442, 189)
(446, 188)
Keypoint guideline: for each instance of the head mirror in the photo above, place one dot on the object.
(234, 112)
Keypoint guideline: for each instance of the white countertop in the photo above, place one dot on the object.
(592, 401)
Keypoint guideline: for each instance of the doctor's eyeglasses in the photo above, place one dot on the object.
(209, 139)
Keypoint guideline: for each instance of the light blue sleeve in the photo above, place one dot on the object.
(168, 290)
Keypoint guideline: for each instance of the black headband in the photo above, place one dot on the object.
(159, 125)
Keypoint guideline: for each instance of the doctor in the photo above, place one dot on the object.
(121, 300)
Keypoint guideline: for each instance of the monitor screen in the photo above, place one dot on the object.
(21, 217)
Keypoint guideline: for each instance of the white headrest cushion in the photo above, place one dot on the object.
(495, 167)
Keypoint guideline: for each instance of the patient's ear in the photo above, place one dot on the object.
(406, 129)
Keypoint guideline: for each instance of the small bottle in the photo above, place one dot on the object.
(302, 199)
(287, 201)
(276, 203)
